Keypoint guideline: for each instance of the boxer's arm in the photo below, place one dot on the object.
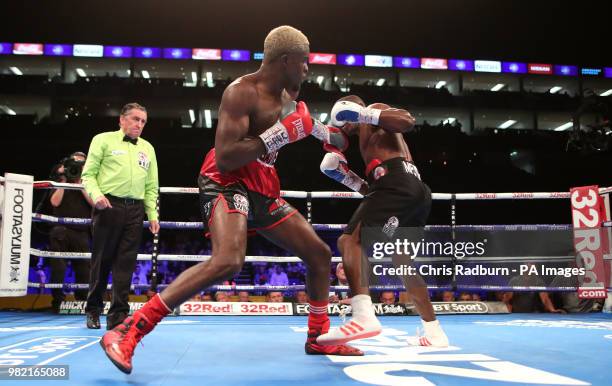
(394, 120)
(233, 148)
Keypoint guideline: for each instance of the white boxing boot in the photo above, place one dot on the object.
(363, 324)
(433, 335)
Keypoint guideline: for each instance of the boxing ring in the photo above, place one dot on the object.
(266, 347)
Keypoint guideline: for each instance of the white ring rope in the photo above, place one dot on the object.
(354, 195)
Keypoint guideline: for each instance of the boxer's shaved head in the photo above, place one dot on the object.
(354, 99)
(284, 40)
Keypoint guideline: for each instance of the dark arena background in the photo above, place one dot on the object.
(512, 103)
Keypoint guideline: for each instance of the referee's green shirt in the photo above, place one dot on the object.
(122, 169)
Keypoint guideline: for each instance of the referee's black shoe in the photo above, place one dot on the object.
(93, 321)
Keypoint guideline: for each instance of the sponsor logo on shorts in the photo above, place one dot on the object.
(391, 226)
(276, 206)
(241, 203)
(411, 168)
(379, 172)
(207, 207)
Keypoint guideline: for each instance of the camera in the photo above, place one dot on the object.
(73, 169)
(72, 165)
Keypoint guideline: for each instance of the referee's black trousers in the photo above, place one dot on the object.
(116, 237)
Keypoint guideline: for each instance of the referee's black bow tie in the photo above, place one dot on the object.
(129, 139)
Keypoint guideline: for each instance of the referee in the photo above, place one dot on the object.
(120, 176)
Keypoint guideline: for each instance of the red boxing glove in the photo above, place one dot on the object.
(292, 127)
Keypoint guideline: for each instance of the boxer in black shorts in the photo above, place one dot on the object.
(395, 200)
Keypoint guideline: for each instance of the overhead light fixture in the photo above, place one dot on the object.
(209, 79)
(507, 124)
(208, 119)
(606, 93)
(192, 116)
(320, 79)
(80, 72)
(380, 82)
(16, 70)
(441, 84)
(323, 117)
(555, 89)
(145, 74)
(564, 126)
(498, 87)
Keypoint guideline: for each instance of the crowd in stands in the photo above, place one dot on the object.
(275, 274)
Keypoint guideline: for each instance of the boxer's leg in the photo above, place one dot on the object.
(296, 235)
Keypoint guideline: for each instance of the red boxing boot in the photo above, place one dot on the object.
(318, 324)
(120, 342)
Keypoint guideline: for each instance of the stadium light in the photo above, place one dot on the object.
(564, 126)
(507, 124)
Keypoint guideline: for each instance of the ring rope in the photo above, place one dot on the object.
(302, 287)
(354, 195)
(37, 217)
(296, 259)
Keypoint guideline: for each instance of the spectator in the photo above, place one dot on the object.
(221, 296)
(341, 296)
(465, 297)
(139, 273)
(243, 296)
(275, 297)
(529, 301)
(448, 296)
(278, 277)
(260, 277)
(207, 297)
(387, 297)
(301, 297)
(195, 298)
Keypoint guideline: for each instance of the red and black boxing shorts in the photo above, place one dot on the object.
(262, 212)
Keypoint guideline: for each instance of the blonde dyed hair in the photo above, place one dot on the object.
(284, 40)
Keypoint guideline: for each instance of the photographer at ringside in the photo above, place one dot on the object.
(69, 237)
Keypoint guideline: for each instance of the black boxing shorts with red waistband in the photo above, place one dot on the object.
(262, 212)
(396, 197)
